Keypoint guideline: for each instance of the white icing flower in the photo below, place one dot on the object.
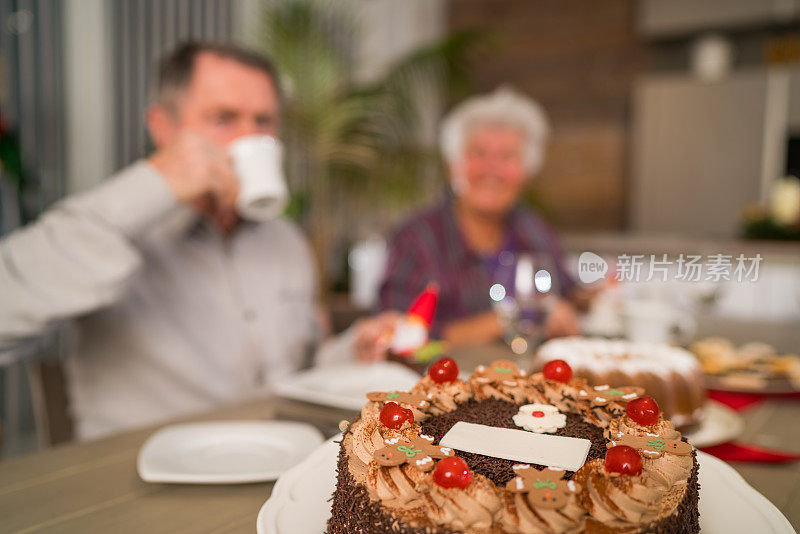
(540, 418)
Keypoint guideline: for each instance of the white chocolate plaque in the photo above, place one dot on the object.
(518, 445)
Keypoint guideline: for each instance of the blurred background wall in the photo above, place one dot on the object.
(579, 59)
(617, 79)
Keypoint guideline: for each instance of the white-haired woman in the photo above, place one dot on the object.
(492, 145)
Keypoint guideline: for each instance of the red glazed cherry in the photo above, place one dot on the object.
(557, 370)
(643, 410)
(452, 472)
(444, 370)
(623, 460)
(393, 415)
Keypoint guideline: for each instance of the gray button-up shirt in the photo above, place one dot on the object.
(172, 316)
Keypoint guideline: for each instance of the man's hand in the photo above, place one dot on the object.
(562, 321)
(373, 336)
(200, 175)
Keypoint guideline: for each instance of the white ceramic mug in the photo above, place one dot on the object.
(654, 321)
(258, 164)
(367, 261)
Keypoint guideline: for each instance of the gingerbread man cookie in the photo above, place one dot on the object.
(603, 395)
(545, 489)
(415, 400)
(419, 452)
(652, 447)
(499, 372)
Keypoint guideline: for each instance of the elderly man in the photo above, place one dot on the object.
(492, 144)
(179, 304)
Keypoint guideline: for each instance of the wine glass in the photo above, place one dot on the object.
(523, 307)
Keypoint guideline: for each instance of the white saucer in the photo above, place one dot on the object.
(225, 452)
(346, 385)
(299, 503)
(719, 425)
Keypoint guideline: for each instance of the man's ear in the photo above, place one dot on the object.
(162, 125)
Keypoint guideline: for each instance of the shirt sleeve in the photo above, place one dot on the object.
(79, 256)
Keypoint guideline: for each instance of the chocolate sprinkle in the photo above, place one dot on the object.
(499, 413)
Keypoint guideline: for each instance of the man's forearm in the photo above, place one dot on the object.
(80, 255)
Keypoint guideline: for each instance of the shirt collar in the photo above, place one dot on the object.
(457, 249)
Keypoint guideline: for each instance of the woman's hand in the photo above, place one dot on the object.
(474, 330)
(562, 321)
(373, 336)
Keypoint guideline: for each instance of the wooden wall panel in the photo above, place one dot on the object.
(578, 58)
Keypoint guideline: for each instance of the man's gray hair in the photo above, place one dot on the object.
(175, 70)
(503, 107)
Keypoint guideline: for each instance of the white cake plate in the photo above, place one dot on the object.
(300, 500)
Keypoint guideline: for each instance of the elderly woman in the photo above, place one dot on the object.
(492, 144)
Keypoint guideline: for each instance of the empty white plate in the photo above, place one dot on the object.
(346, 385)
(719, 424)
(225, 452)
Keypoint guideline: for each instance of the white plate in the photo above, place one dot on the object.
(225, 452)
(719, 425)
(345, 385)
(299, 502)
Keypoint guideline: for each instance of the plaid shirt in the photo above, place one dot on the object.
(430, 247)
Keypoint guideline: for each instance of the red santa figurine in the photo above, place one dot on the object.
(411, 330)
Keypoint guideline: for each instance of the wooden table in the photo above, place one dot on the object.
(93, 486)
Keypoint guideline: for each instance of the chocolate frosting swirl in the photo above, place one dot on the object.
(472, 509)
(626, 425)
(445, 397)
(617, 500)
(669, 469)
(488, 390)
(566, 398)
(520, 517)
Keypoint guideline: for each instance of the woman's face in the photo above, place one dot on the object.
(492, 170)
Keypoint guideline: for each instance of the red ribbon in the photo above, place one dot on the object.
(733, 451)
(740, 452)
(741, 401)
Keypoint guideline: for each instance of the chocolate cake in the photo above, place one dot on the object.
(395, 476)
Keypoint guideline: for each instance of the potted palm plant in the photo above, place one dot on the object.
(353, 149)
